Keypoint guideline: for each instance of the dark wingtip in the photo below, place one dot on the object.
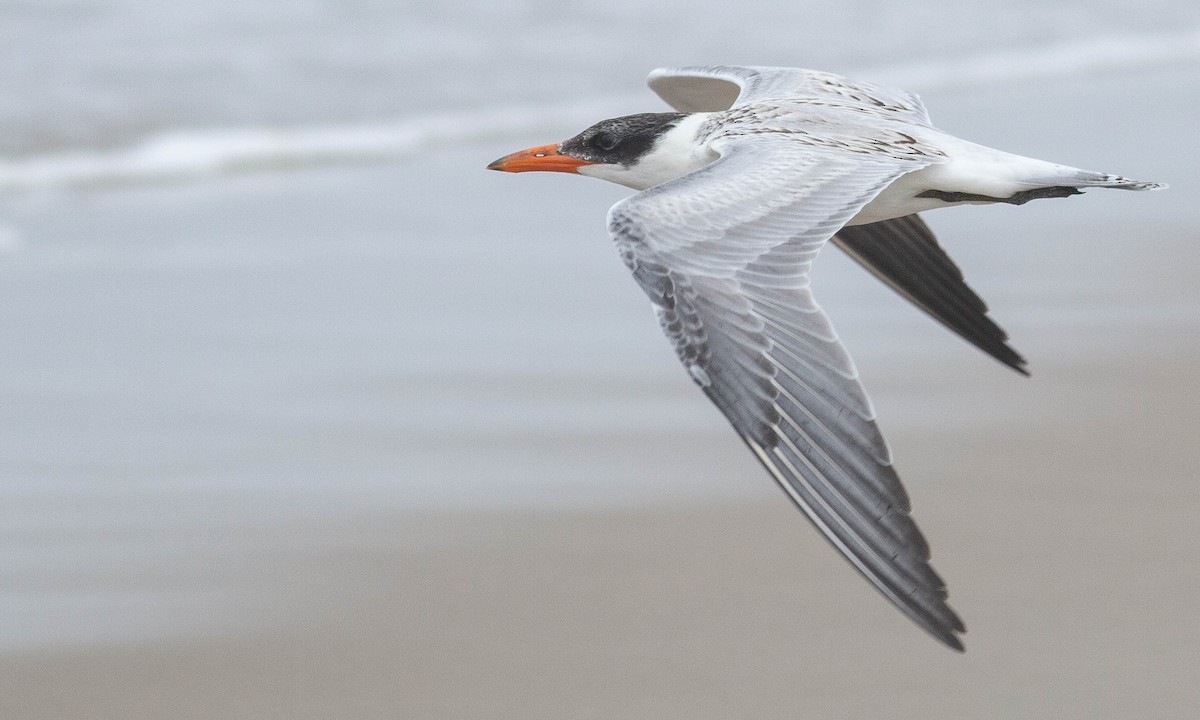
(1003, 353)
(905, 255)
(950, 636)
(1019, 365)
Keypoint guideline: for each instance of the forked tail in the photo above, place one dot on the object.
(1083, 178)
(1060, 181)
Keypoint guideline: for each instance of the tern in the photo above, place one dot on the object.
(740, 189)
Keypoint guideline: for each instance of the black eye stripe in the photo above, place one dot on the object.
(619, 140)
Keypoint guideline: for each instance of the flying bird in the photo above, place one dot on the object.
(740, 189)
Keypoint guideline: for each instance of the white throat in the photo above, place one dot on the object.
(675, 154)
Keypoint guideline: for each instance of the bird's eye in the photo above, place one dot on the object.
(605, 140)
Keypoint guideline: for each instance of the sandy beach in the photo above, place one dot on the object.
(303, 414)
(1068, 543)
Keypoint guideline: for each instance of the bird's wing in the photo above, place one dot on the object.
(712, 88)
(724, 254)
(904, 254)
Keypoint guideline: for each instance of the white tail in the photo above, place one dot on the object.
(1083, 178)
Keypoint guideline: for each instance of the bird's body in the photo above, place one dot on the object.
(740, 190)
(950, 166)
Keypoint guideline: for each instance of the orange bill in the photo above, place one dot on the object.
(542, 157)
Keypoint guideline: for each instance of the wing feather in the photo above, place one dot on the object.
(904, 254)
(710, 88)
(724, 254)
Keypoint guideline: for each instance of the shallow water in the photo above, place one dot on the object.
(218, 321)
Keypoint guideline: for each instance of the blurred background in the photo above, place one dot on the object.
(305, 415)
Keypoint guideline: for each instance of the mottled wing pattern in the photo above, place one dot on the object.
(904, 253)
(724, 254)
(711, 88)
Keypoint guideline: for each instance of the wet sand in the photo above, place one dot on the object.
(1068, 543)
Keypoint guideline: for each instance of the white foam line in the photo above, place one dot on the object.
(207, 154)
(1056, 61)
(178, 156)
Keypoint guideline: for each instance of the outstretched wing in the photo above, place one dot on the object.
(904, 254)
(711, 88)
(724, 254)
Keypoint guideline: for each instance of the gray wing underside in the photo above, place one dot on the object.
(711, 88)
(904, 254)
(724, 254)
